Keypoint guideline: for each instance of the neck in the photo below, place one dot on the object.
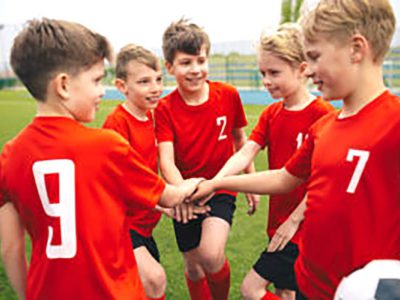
(135, 111)
(52, 107)
(197, 97)
(298, 100)
(369, 87)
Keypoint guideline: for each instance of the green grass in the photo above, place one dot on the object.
(247, 238)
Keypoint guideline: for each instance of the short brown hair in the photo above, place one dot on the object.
(340, 19)
(185, 37)
(132, 52)
(46, 47)
(285, 43)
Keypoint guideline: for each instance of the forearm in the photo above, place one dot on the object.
(297, 216)
(12, 239)
(236, 164)
(15, 264)
(267, 182)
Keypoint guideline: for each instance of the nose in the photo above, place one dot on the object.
(266, 81)
(309, 71)
(102, 91)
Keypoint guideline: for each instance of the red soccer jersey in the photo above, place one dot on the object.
(72, 187)
(141, 136)
(202, 134)
(283, 131)
(353, 207)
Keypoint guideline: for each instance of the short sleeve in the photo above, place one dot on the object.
(137, 183)
(163, 124)
(240, 116)
(260, 132)
(119, 126)
(299, 164)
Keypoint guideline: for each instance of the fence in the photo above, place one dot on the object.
(242, 70)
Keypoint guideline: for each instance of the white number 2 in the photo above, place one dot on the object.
(362, 161)
(221, 121)
(65, 209)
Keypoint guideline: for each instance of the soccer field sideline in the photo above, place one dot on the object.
(247, 238)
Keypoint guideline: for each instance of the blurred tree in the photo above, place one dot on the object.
(290, 11)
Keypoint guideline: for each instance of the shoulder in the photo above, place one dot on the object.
(221, 87)
(322, 106)
(272, 109)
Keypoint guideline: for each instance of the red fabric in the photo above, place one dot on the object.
(141, 136)
(198, 290)
(282, 132)
(202, 134)
(219, 282)
(102, 176)
(270, 296)
(345, 227)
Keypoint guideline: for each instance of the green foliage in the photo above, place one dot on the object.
(247, 238)
(290, 10)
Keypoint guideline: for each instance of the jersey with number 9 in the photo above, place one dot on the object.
(72, 187)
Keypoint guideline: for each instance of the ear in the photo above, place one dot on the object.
(359, 48)
(61, 83)
(120, 84)
(169, 68)
(303, 67)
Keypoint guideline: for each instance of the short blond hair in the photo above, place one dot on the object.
(132, 52)
(285, 43)
(340, 19)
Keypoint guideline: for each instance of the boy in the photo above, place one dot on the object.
(71, 185)
(282, 127)
(139, 79)
(197, 127)
(351, 157)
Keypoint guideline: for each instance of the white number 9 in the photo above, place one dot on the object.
(65, 209)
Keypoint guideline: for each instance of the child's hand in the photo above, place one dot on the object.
(283, 235)
(203, 193)
(252, 200)
(188, 211)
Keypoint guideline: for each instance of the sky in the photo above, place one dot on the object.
(143, 21)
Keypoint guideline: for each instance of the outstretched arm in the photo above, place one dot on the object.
(242, 160)
(12, 237)
(267, 182)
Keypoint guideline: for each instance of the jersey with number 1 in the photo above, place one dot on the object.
(141, 136)
(353, 204)
(283, 132)
(72, 187)
(201, 134)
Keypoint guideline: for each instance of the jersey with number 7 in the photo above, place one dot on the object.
(353, 207)
(72, 187)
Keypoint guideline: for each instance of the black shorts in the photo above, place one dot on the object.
(188, 235)
(139, 240)
(278, 267)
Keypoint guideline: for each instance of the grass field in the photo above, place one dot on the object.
(247, 238)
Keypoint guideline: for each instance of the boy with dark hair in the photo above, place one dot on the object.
(198, 127)
(68, 185)
(351, 157)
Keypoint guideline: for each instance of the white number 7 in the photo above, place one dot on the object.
(363, 158)
(65, 209)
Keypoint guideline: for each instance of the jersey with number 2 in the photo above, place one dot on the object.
(202, 134)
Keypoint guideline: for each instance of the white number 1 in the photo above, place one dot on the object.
(221, 121)
(65, 209)
(363, 158)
